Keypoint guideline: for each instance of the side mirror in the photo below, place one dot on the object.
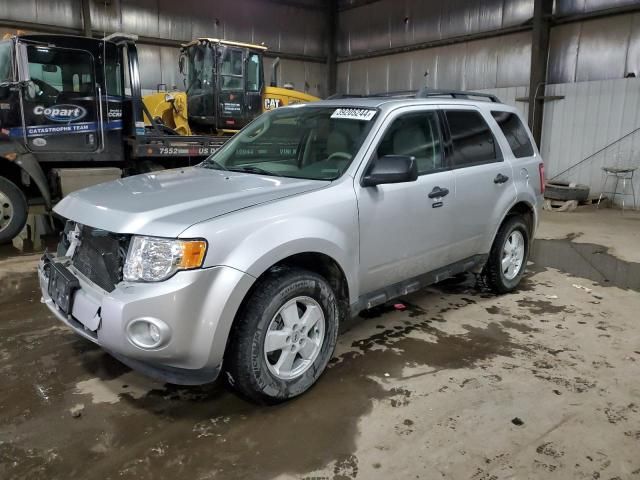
(30, 89)
(391, 169)
(181, 63)
(23, 63)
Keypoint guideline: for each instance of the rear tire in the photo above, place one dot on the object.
(291, 314)
(508, 256)
(13, 210)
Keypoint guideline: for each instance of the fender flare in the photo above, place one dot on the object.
(28, 162)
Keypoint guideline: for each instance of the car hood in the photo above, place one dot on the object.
(166, 203)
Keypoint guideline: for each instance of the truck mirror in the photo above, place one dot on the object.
(23, 62)
(30, 88)
(181, 64)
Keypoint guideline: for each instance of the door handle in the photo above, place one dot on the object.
(500, 178)
(438, 192)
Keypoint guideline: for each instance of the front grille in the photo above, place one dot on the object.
(100, 257)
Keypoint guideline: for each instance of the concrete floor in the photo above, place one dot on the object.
(542, 383)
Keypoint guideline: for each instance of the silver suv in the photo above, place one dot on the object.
(248, 262)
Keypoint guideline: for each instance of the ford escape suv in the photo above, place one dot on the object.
(247, 263)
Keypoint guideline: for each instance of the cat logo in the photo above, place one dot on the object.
(271, 103)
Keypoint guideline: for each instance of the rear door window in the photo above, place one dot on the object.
(515, 133)
(473, 142)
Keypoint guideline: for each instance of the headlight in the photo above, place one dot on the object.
(152, 259)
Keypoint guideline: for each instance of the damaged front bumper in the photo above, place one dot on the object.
(192, 313)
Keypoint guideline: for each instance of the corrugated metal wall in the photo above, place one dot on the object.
(490, 63)
(597, 49)
(63, 13)
(396, 23)
(294, 28)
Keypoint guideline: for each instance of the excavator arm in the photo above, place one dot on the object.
(168, 109)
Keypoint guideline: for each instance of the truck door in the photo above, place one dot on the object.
(255, 86)
(60, 103)
(231, 100)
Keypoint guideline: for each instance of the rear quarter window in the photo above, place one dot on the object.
(515, 132)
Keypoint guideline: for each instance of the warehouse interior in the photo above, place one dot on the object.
(451, 381)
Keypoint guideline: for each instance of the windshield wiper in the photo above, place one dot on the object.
(252, 169)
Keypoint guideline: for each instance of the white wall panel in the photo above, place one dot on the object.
(591, 116)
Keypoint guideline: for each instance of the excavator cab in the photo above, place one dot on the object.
(224, 83)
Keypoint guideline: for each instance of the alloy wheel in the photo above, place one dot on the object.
(294, 338)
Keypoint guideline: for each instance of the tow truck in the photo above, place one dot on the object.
(72, 114)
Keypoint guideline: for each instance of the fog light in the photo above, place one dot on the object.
(148, 333)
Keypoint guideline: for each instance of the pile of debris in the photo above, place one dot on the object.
(564, 197)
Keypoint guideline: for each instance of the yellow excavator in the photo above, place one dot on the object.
(224, 90)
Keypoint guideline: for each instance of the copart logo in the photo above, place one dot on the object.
(61, 113)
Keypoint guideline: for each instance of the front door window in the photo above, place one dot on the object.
(60, 102)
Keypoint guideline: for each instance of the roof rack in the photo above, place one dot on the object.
(396, 94)
(422, 93)
(433, 92)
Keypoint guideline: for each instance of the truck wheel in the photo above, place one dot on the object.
(283, 337)
(508, 257)
(13, 210)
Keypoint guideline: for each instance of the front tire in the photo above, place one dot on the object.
(13, 210)
(508, 257)
(284, 336)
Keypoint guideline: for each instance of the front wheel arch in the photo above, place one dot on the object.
(246, 366)
(316, 262)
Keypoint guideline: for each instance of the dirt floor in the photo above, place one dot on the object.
(453, 383)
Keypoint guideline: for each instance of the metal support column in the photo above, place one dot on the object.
(332, 33)
(86, 18)
(542, 11)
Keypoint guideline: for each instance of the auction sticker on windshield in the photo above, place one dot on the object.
(354, 113)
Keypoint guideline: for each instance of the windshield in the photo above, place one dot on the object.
(200, 68)
(200, 84)
(316, 143)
